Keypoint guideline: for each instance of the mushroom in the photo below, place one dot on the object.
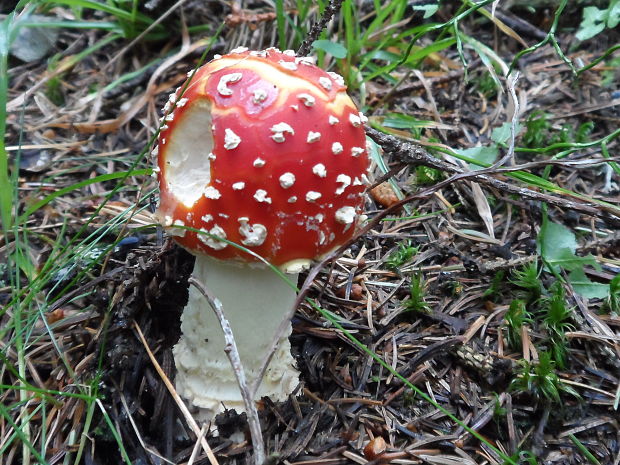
(265, 150)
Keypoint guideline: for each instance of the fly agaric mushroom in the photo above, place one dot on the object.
(265, 150)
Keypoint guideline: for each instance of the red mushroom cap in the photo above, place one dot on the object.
(265, 150)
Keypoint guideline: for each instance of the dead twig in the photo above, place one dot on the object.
(330, 10)
(416, 155)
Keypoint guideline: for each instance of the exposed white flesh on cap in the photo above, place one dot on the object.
(188, 167)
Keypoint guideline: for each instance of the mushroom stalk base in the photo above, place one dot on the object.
(254, 301)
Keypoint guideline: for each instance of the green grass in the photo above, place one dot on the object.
(404, 252)
(417, 295)
(516, 317)
(540, 380)
(76, 251)
(528, 279)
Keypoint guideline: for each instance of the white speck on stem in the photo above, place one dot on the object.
(238, 186)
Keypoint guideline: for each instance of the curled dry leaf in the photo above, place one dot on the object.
(384, 195)
(357, 292)
(375, 448)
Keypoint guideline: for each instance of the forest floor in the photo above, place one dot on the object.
(475, 322)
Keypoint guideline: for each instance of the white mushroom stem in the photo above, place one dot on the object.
(254, 301)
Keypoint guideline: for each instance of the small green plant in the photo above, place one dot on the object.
(556, 316)
(612, 302)
(425, 176)
(528, 278)
(541, 380)
(596, 20)
(583, 132)
(495, 287)
(486, 85)
(417, 293)
(524, 457)
(537, 128)
(402, 255)
(516, 317)
(557, 313)
(498, 411)
(53, 90)
(611, 74)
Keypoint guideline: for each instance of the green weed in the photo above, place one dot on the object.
(426, 176)
(53, 87)
(402, 255)
(596, 20)
(495, 287)
(417, 294)
(499, 412)
(537, 129)
(612, 302)
(486, 85)
(556, 317)
(541, 380)
(516, 317)
(528, 278)
(522, 458)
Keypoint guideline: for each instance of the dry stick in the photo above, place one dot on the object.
(511, 82)
(233, 355)
(330, 10)
(194, 454)
(416, 155)
(188, 416)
